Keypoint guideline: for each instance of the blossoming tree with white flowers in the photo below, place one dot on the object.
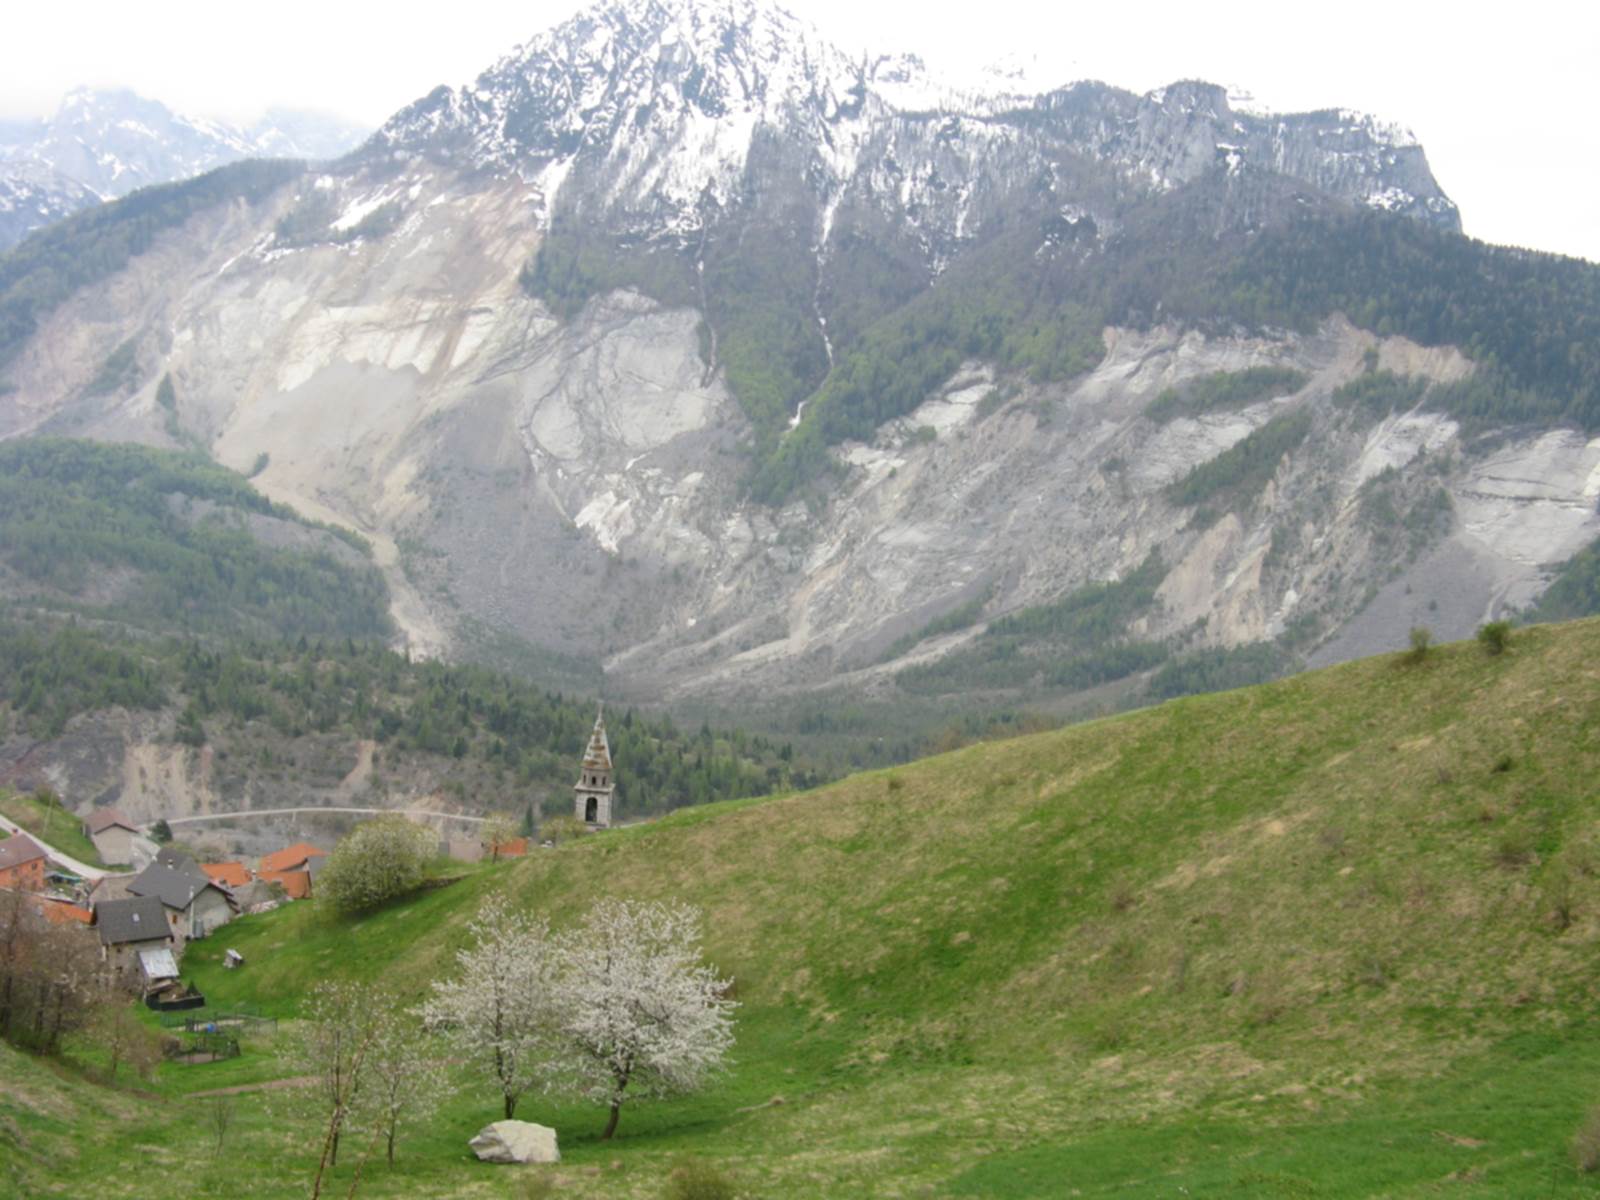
(640, 1014)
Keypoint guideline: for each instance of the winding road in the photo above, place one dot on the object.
(65, 860)
(414, 813)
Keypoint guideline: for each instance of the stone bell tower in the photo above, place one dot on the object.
(593, 789)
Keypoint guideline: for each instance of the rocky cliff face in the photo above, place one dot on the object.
(581, 481)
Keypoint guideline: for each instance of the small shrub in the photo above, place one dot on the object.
(537, 1186)
(1503, 763)
(1514, 848)
(1373, 972)
(1586, 1143)
(695, 1179)
(1495, 636)
(1421, 643)
(1558, 901)
(565, 828)
(894, 783)
(1109, 1035)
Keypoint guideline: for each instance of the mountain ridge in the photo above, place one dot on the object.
(747, 455)
(102, 143)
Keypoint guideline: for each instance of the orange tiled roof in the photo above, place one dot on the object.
(62, 912)
(228, 874)
(290, 858)
(513, 848)
(296, 883)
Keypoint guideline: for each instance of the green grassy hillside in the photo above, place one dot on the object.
(1333, 936)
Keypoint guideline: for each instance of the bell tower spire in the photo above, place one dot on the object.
(593, 791)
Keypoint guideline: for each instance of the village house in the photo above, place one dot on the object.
(22, 864)
(295, 868)
(230, 875)
(127, 927)
(296, 885)
(292, 858)
(194, 905)
(260, 895)
(467, 848)
(113, 835)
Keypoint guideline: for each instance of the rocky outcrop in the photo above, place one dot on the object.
(516, 1142)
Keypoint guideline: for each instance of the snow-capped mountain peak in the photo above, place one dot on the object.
(102, 143)
(647, 115)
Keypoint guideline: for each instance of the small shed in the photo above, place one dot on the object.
(113, 835)
(157, 967)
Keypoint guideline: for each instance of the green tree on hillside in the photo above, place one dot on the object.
(382, 860)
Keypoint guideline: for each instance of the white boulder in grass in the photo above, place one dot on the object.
(516, 1142)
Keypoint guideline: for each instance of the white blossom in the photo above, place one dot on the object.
(640, 1013)
(497, 1012)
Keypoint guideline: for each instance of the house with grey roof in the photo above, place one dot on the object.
(127, 927)
(194, 904)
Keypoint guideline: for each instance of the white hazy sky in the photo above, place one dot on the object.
(1501, 96)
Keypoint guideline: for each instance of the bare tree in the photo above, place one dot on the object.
(641, 1014)
(497, 1011)
(407, 1082)
(50, 976)
(123, 1036)
(220, 1116)
(342, 1023)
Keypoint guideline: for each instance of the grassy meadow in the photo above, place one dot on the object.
(52, 824)
(1335, 936)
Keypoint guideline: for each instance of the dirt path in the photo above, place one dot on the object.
(271, 1085)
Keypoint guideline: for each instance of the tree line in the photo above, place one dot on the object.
(50, 673)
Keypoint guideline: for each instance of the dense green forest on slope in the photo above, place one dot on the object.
(1239, 473)
(1223, 390)
(1077, 642)
(165, 541)
(520, 734)
(52, 264)
(1575, 591)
